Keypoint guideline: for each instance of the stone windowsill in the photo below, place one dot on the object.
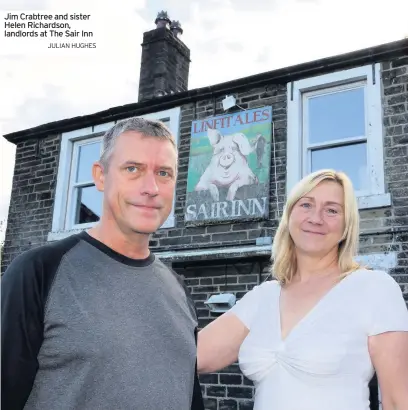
(374, 201)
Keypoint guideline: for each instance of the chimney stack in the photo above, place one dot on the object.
(165, 60)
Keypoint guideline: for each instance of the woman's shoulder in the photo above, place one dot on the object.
(259, 293)
(381, 296)
(377, 281)
(266, 287)
(373, 275)
(247, 308)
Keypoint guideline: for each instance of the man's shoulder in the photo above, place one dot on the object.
(41, 261)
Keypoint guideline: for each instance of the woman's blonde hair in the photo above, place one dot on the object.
(284, 264)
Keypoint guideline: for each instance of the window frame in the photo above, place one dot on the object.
(307, 152)
(73, 186)
(297, 150)
(65, 196)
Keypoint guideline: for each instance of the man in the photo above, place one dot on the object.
(95, 321)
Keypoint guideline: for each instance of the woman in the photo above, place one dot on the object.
(311, 338)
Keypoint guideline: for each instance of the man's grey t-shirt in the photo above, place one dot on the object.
(118, 333)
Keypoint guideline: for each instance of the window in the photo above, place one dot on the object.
(78, 204)
(335, 121)
(85, 199)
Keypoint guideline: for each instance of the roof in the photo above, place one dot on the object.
(370, 55)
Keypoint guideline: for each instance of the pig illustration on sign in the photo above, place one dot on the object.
(229, 166)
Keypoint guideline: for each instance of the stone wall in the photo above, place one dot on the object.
(32, 196)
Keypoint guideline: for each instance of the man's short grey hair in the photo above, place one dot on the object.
(148, 128)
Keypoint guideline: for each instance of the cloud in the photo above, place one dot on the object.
(40, 89)
(295, 31)
(176, 9)
(234, 46)
(45, 108)
(263, 56)
(253, 5)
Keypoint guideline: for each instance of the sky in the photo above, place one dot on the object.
(228, 39)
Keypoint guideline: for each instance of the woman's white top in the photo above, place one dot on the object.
(323, 363)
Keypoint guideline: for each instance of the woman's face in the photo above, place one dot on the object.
(316, 223)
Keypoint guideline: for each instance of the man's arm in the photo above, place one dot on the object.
(197, 402)
(22, 297)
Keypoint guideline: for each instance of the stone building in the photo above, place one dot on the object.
(321, 113)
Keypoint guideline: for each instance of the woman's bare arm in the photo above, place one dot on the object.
(389, 354)
(219, 343)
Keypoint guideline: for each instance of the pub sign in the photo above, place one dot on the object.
(229, 166)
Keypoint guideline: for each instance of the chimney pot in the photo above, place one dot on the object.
(175, 27)
(162, 19)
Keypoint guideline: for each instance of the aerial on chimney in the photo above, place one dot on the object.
(175, 28)
(162, 19)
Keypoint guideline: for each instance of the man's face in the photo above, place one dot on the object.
(139, 183)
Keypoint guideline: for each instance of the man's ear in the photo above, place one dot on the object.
(98, 175)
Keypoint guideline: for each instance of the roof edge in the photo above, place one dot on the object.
(286, 74)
